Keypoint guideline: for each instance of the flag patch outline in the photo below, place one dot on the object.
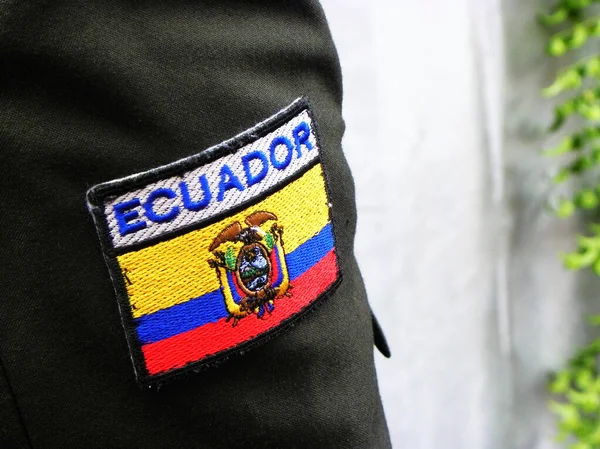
(220, 251)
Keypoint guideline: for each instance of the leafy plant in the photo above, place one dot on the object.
(577, 386)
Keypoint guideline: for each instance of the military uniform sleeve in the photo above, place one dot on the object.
(97, 91)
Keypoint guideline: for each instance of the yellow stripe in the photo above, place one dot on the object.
(177, 270)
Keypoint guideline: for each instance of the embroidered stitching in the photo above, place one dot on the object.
(216, 253)
(221, 184)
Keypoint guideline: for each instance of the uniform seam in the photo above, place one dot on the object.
(12, 394)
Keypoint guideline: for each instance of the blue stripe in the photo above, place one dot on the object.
(310, 252)
(176, 319)
(210, 307)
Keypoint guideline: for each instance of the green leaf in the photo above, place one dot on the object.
(594, 436)
(586, 104)
(572, 38)
(572, 77)
(561, 382)
(592, 67)
(590, 112)
(578, 260)
(577, 4)
(557, 46)
(562, 176)
(579, 36)
(555, 18)
(581, 164)
(586, 199)
(565, 146)
(584, 379)
(594, 28)
(568, 413)
(562, 112)
(588, 242)
(587, 401)
(575, 142)
(565, 209)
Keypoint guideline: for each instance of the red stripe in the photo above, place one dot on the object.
(194, 345)
(274, 257)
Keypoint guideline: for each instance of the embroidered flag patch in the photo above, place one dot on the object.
(217, 252)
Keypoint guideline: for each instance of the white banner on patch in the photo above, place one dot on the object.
(175, 202)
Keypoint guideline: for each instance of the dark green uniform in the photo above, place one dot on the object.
(93, 91)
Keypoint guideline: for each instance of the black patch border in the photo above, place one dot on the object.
(98, 194)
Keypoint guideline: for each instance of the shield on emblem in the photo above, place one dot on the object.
(252, 269)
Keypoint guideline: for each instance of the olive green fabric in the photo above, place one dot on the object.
(92, 91)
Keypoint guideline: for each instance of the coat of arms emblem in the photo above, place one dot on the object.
(251, 266)
(196, 252)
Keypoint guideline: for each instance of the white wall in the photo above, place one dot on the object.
(444, 126)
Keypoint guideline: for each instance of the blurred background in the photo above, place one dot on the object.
(445, 126)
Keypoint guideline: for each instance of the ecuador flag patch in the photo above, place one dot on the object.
(218, 252)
